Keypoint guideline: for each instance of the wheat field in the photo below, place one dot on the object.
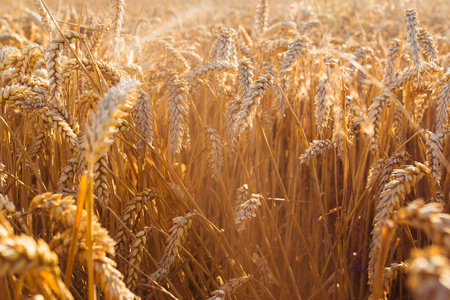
(224, 149)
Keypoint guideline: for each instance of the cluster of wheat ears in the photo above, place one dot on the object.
(273, 151)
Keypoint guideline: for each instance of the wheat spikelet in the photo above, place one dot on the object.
(193, 57)
(245, 211)
(412, 23)
(215, 152)
(429, 274)
(229, 288)
(131, 216)
(178, 112)
(316, 148)
(112, 108)
(173, 243)
(391, 199)
(429, 218)
(247, 110)
(136, 251)
(262, 17)
(53, 59)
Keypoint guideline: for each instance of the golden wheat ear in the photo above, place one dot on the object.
(112, 109)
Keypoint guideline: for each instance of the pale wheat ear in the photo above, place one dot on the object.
(262, 17)
(112, 109)
(412, 25)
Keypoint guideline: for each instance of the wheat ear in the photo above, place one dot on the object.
(214, 145)
(178, 112)
(53, 58)
(391, 199)
(112, 109)
(173, 243)
(229, 288)
(412, 23)
(429, 274)
(429, 218)
(316, 148)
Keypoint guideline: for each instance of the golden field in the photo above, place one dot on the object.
(224, 150)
